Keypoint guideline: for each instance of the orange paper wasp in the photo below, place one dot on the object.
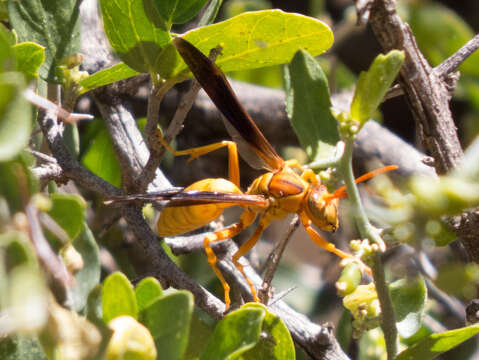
(286, 187)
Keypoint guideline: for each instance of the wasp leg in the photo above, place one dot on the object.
(309, 176)
(233, 164)
(321, 242)
(294, 163)
(247, 246)
(247, 219)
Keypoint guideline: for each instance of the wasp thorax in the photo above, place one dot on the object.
(322, 211)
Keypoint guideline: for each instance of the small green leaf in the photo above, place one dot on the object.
(238, 332)
(168, 319)
(201, 329)
(209, 14)
(17, 182)
(135, 32)
(107, 76)
(256, 39)
(101, 160)
(118, 298)
(46, 23)
(8, 35)
(15, 115)
(147, 291)
(130, 341)
(307, 106)
(409, 298)
(276, 342)
(435, 344)
(93, 311)
(89, 275)
(18, 248)
(344, 330)
(29, 57)
(179, 11)
(373, 85)
(7, 61)
(68, 210)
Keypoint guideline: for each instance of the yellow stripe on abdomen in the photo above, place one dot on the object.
(182, 219)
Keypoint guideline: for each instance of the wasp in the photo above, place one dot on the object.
(284, 189)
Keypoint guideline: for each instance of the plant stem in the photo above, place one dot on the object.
(388, 321)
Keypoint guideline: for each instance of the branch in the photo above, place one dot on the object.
(428, 97)
(427, 94)
(59, 278)
(453, 62)
(272, 262)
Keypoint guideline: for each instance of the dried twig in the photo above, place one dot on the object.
(272, 262)
(427, 94)
(453, 62)
(59, 278)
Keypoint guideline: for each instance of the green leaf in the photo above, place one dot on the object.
(373, 85)
(7, 35)
(7, 61)
(89, 275)
(93, 312)
(29, 57)
(100, 159)
(179, 11)
(209, 14)
(17, 182)
(256, 39)
(438, 42)
(55, 27)
(147, 291)
(409, 298)
(68, 210)
(308, 107)
(18, 248)
(135, 32)
(435, 344)
(275, 342)
(15, 115)
(118, 297)
(107, 76)
(238, 332)
(201, 328)
(168, 319)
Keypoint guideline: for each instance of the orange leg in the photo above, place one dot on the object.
(247, 219)
(233, 168)
(247, 246)
(321, 242)
(309, 176)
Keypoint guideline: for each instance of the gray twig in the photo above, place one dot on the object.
(59, 278)
(272, 262)
(456, 59)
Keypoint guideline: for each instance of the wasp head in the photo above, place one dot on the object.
(322, 208)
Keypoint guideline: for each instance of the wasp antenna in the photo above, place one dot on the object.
(341, 192)
(373, 173)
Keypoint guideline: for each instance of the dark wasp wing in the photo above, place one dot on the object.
(219, 90)
(178, 197)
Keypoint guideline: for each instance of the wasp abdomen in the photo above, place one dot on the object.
(182, 219)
